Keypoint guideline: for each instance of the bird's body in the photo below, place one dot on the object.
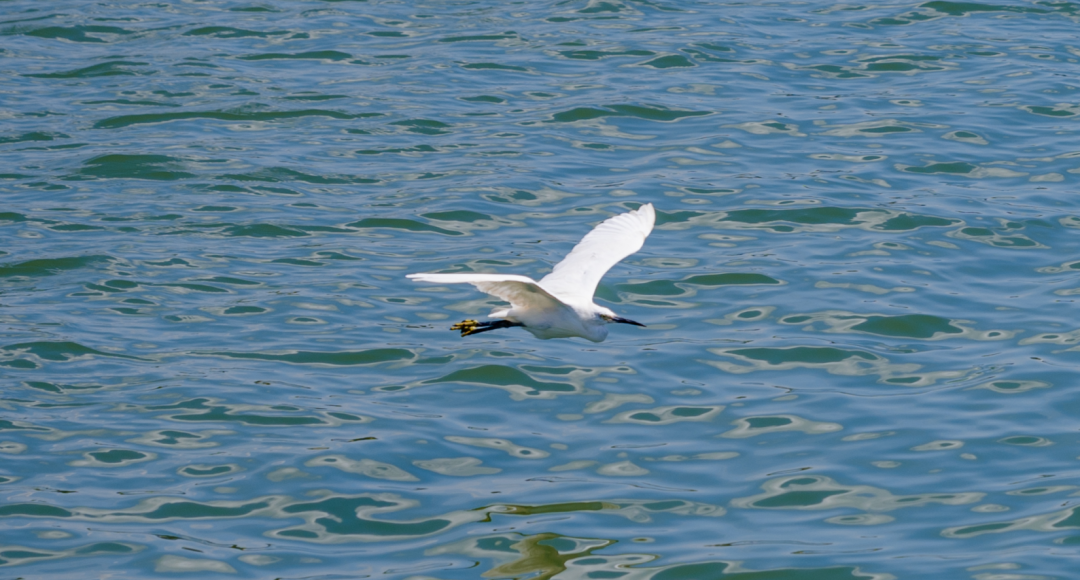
(561, 304)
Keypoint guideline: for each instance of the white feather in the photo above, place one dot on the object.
(575, 279)
(560, 305)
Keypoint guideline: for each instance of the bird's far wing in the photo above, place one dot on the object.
(576, 277)
(519, 291)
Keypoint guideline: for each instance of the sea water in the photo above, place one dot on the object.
(860, 358)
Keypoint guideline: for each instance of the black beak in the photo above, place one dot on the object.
(627, 321)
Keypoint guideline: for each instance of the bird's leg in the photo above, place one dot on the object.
(468, 327)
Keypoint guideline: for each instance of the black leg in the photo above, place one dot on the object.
(468, 327)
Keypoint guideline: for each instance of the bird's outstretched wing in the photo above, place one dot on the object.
(574, 279)
(520, 291)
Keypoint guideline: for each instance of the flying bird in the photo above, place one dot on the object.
(561, 304)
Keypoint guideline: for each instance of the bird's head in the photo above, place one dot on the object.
(607, 316)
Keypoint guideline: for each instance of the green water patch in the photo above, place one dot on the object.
(719, 570)
(504, 376)
(340, 516)
(193, 510)
(511, 35)
(602, 54)
(922, 326)
(340, 358)
(714, 47)
(796, 499)
(978, 530)
(483, 99)
(660, 114)
(1013, 387)
(314, 97)
(401, 150)
(730, 279)
(884, 129)
(298, 262)
(252, 116)
(170, 437)
(133, 166)
(669, 61)
(231, 281)
(401, 224)
(1068, 518)
(822, 219)
(82, 33)
(33, 510)
(105, 69)
(463, 216)
(185, 287)
(127, 311)
(286, 175)
(328, 55)
(747, 427)
(74, 228)
(33, 136)
(106, 548)
(203, 410)
(51, 266)
(493, 66)
(216, 208)
(19, 363)
(998, 237)
(905, 222)
(58, 351)
(953, 168)
(1055, 111)
(199, 471)
(900, 63)
(100, 288)
(809, 216)
(262, 231)
(654, 288)
(817, 492)
(968, 8)
(767, 422)
(12, 555)
(229, 32)
(60, 388)
(1071, 519)
(117, 456)
(6, 425)
(668, 415)
(243, 310)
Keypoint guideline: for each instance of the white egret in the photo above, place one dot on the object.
(561, 304)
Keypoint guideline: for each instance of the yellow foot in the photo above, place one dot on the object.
(466, 327)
